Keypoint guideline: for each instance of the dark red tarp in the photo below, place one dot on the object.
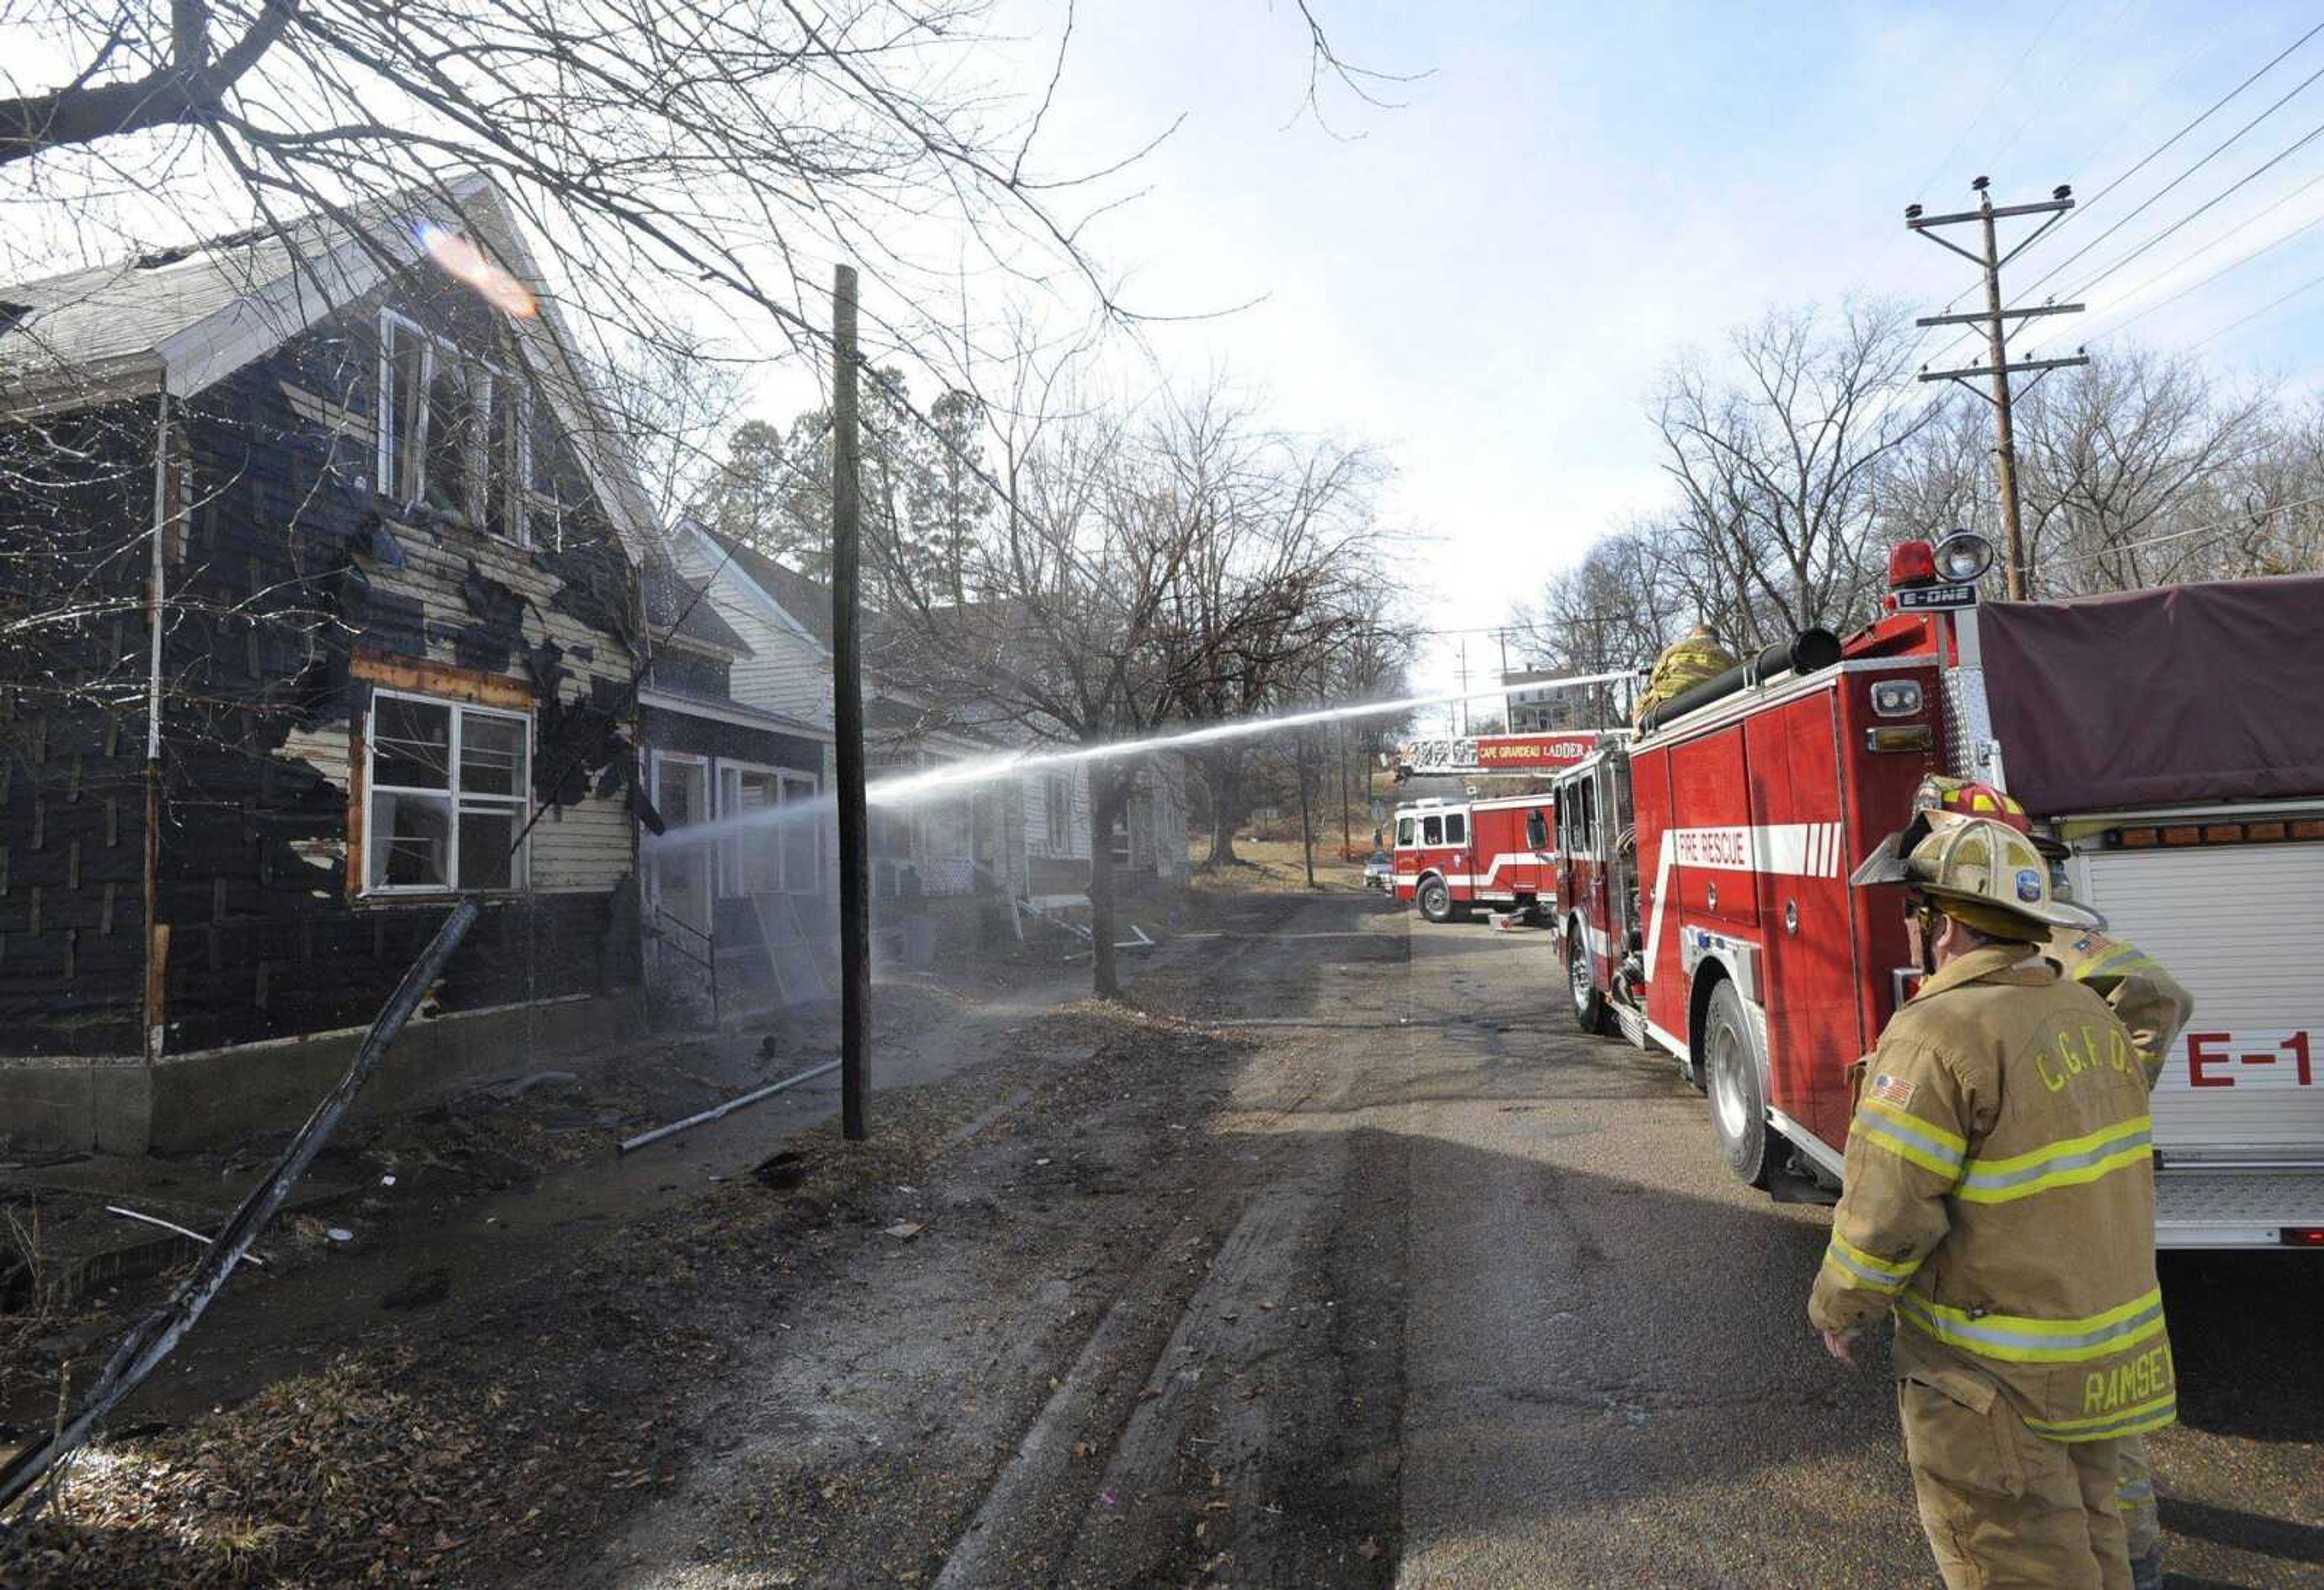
(2197, 693)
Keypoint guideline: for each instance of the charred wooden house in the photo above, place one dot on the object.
(319, 564)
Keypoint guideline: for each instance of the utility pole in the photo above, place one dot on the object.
(847, 718)
(1346, 842)
(1461, 732)
(1996, 337)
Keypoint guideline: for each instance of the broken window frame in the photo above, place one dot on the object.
(455, 800)
(505, 483)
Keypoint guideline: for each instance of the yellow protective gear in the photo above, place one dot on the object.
(2003, 1125)
(2134, 1499)
(1684, 663)
(2000, 1201)
(2149, 1002)
(2000, 1505)
(2144, 997)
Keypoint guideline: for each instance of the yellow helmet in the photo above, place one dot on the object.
(1979, 869)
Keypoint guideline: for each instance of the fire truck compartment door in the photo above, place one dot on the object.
(2243, 928)
(1713, 872)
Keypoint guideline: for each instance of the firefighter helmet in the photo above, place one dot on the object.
(1979, 869)
(1973, 798)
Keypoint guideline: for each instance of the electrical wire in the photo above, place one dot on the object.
(2235, 264)
(2207, 205)
(2307, 285)
(2224, 524)
(1990, 99)
(2149, 159)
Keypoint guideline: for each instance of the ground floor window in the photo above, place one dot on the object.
(449, 791)
(786, 855)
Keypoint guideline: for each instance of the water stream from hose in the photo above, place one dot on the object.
(901, 789)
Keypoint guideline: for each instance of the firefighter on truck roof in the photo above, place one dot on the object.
(1686, 662)
(1999, 1202)
(2156, 1009)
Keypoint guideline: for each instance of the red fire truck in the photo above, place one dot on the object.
(2173, 738)
(1451, 855)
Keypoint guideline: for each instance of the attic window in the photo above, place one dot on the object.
(454, 431)
(13, 316)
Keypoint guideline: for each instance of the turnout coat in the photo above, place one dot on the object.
(2000, 1200)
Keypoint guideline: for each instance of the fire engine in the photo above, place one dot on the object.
(1451, 855)
(2167, 737)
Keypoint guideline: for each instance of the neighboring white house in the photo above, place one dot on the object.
(1028, 836)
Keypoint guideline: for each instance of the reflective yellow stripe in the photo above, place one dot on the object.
(2122, 961)
(1910, 1138)
(1888, 1267)
(1929, 1129)
(2069, 1163)
(2021, 1340)
(1866, 1272)
(2100, 1427)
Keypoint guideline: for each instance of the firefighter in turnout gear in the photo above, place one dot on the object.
(1686, 662)
(2000, 1203)
(2155, 1009)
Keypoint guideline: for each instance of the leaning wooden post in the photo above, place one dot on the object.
(847, 718)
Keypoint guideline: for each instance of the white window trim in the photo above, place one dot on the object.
(1058, 845)
(519, 489)
(519, 868)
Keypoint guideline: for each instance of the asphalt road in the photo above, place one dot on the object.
(1340, 1259)
(1607, 1376)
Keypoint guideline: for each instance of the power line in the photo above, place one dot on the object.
(2198, 211)
(2310, 284)
(2157, 152)
(2224, 524)
(1961, 139)
(2235, 264)
(2072, 67)
(1990, 98)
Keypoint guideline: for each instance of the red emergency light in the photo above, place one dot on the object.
(1912, 563)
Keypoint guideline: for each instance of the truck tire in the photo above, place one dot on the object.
(1435, 899)
(1738, 1104)
(1590, 1010)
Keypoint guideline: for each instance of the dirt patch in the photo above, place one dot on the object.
(494, 1439)
(818, 1373)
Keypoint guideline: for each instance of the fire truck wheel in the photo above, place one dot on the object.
(1589, 998)
(1435, 899)
(1739, 1107)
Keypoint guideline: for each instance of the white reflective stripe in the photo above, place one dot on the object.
(1662, 894)
(1518, 858)
(1785, 849)
(1781, 850)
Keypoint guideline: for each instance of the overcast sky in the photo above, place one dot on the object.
(1486, 279)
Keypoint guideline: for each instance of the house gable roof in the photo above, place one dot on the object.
(805, 603)
(183, 319)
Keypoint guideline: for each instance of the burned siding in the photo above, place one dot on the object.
(76, 495)
(341, 592)
(297, 590)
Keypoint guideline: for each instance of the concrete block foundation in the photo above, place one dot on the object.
(213, 1098)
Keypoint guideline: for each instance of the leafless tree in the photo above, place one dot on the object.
(1283, 547)
(2110, 456)
(1613, 611)
(1777, 456)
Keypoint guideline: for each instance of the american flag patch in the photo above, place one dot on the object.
(1893, 1090)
